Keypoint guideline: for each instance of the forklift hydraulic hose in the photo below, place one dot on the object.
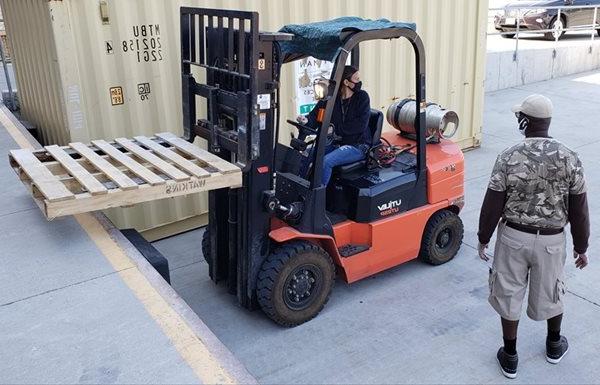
(277, 74)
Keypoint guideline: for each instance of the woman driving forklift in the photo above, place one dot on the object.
(350, 118)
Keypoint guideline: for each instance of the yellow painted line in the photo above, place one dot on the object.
(193, 351)
(189, 346)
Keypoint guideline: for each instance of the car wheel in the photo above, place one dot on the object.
(294, 283)
(442, 238)
(558, 29)
(508, 36)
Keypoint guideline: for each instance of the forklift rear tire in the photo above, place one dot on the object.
(295, 282)
(206, 245)
(442, 238)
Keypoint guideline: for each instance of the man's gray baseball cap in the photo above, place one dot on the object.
(537, 106)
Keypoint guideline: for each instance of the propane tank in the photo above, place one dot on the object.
(401, 115)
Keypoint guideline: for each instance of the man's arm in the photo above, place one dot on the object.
(579, 217)
(491, 212)
(493, 206)
(578, 212)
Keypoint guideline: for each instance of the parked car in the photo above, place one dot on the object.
(541, 18)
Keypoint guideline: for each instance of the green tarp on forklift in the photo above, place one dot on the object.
(322, 39)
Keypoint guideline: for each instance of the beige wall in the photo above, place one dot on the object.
(64, 72)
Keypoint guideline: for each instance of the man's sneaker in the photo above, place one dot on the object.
(556, 350)
(508, 363)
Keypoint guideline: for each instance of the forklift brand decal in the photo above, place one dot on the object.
(116, 96)
(392, 207)
(144, 91)
(145, 43)
(185, 186)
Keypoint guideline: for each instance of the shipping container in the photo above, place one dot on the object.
(89, 69)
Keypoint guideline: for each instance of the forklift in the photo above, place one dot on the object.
(279, 240)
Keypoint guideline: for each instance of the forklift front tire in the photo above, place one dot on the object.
(295, 282)
(442, 238)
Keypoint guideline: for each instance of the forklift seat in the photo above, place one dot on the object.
(375, 125)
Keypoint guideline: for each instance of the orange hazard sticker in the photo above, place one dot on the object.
(116, 96)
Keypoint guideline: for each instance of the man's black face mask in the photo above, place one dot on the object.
(523, 122)
(530, 126)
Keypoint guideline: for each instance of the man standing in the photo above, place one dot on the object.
(537, 186)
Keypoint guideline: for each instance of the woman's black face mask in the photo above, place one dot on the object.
(357, 86)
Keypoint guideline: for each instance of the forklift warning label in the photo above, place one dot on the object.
(185, 186)
(263, 101)
(144, 43)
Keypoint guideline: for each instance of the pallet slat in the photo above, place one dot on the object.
(107, 173)
(86, 179)
(195, 151)
(48, 184)
(126, 161)
(173, 157)
(122, 180)
(149, 157)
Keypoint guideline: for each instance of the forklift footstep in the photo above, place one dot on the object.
(350, 250)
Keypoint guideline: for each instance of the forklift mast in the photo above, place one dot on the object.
(230, 73)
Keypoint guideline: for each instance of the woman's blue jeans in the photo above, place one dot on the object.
(334, 156)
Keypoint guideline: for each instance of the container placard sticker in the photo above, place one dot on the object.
(144, 91)
(116, 96)
(306, 71)
(144, 43)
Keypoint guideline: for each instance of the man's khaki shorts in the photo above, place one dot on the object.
(521, 257)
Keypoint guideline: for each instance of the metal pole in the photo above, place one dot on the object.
(517, 35)
(594, 27)
(11, 95)
(557, 33)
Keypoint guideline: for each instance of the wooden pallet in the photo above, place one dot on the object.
(80, 178)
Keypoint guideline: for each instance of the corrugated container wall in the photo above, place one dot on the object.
(69, 55)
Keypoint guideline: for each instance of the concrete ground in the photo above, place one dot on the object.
(78, 304)
(417, 323)
(11, 73)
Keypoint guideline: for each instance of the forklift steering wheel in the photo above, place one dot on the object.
(303, 129)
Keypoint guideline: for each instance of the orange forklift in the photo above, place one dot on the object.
(278, 241)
